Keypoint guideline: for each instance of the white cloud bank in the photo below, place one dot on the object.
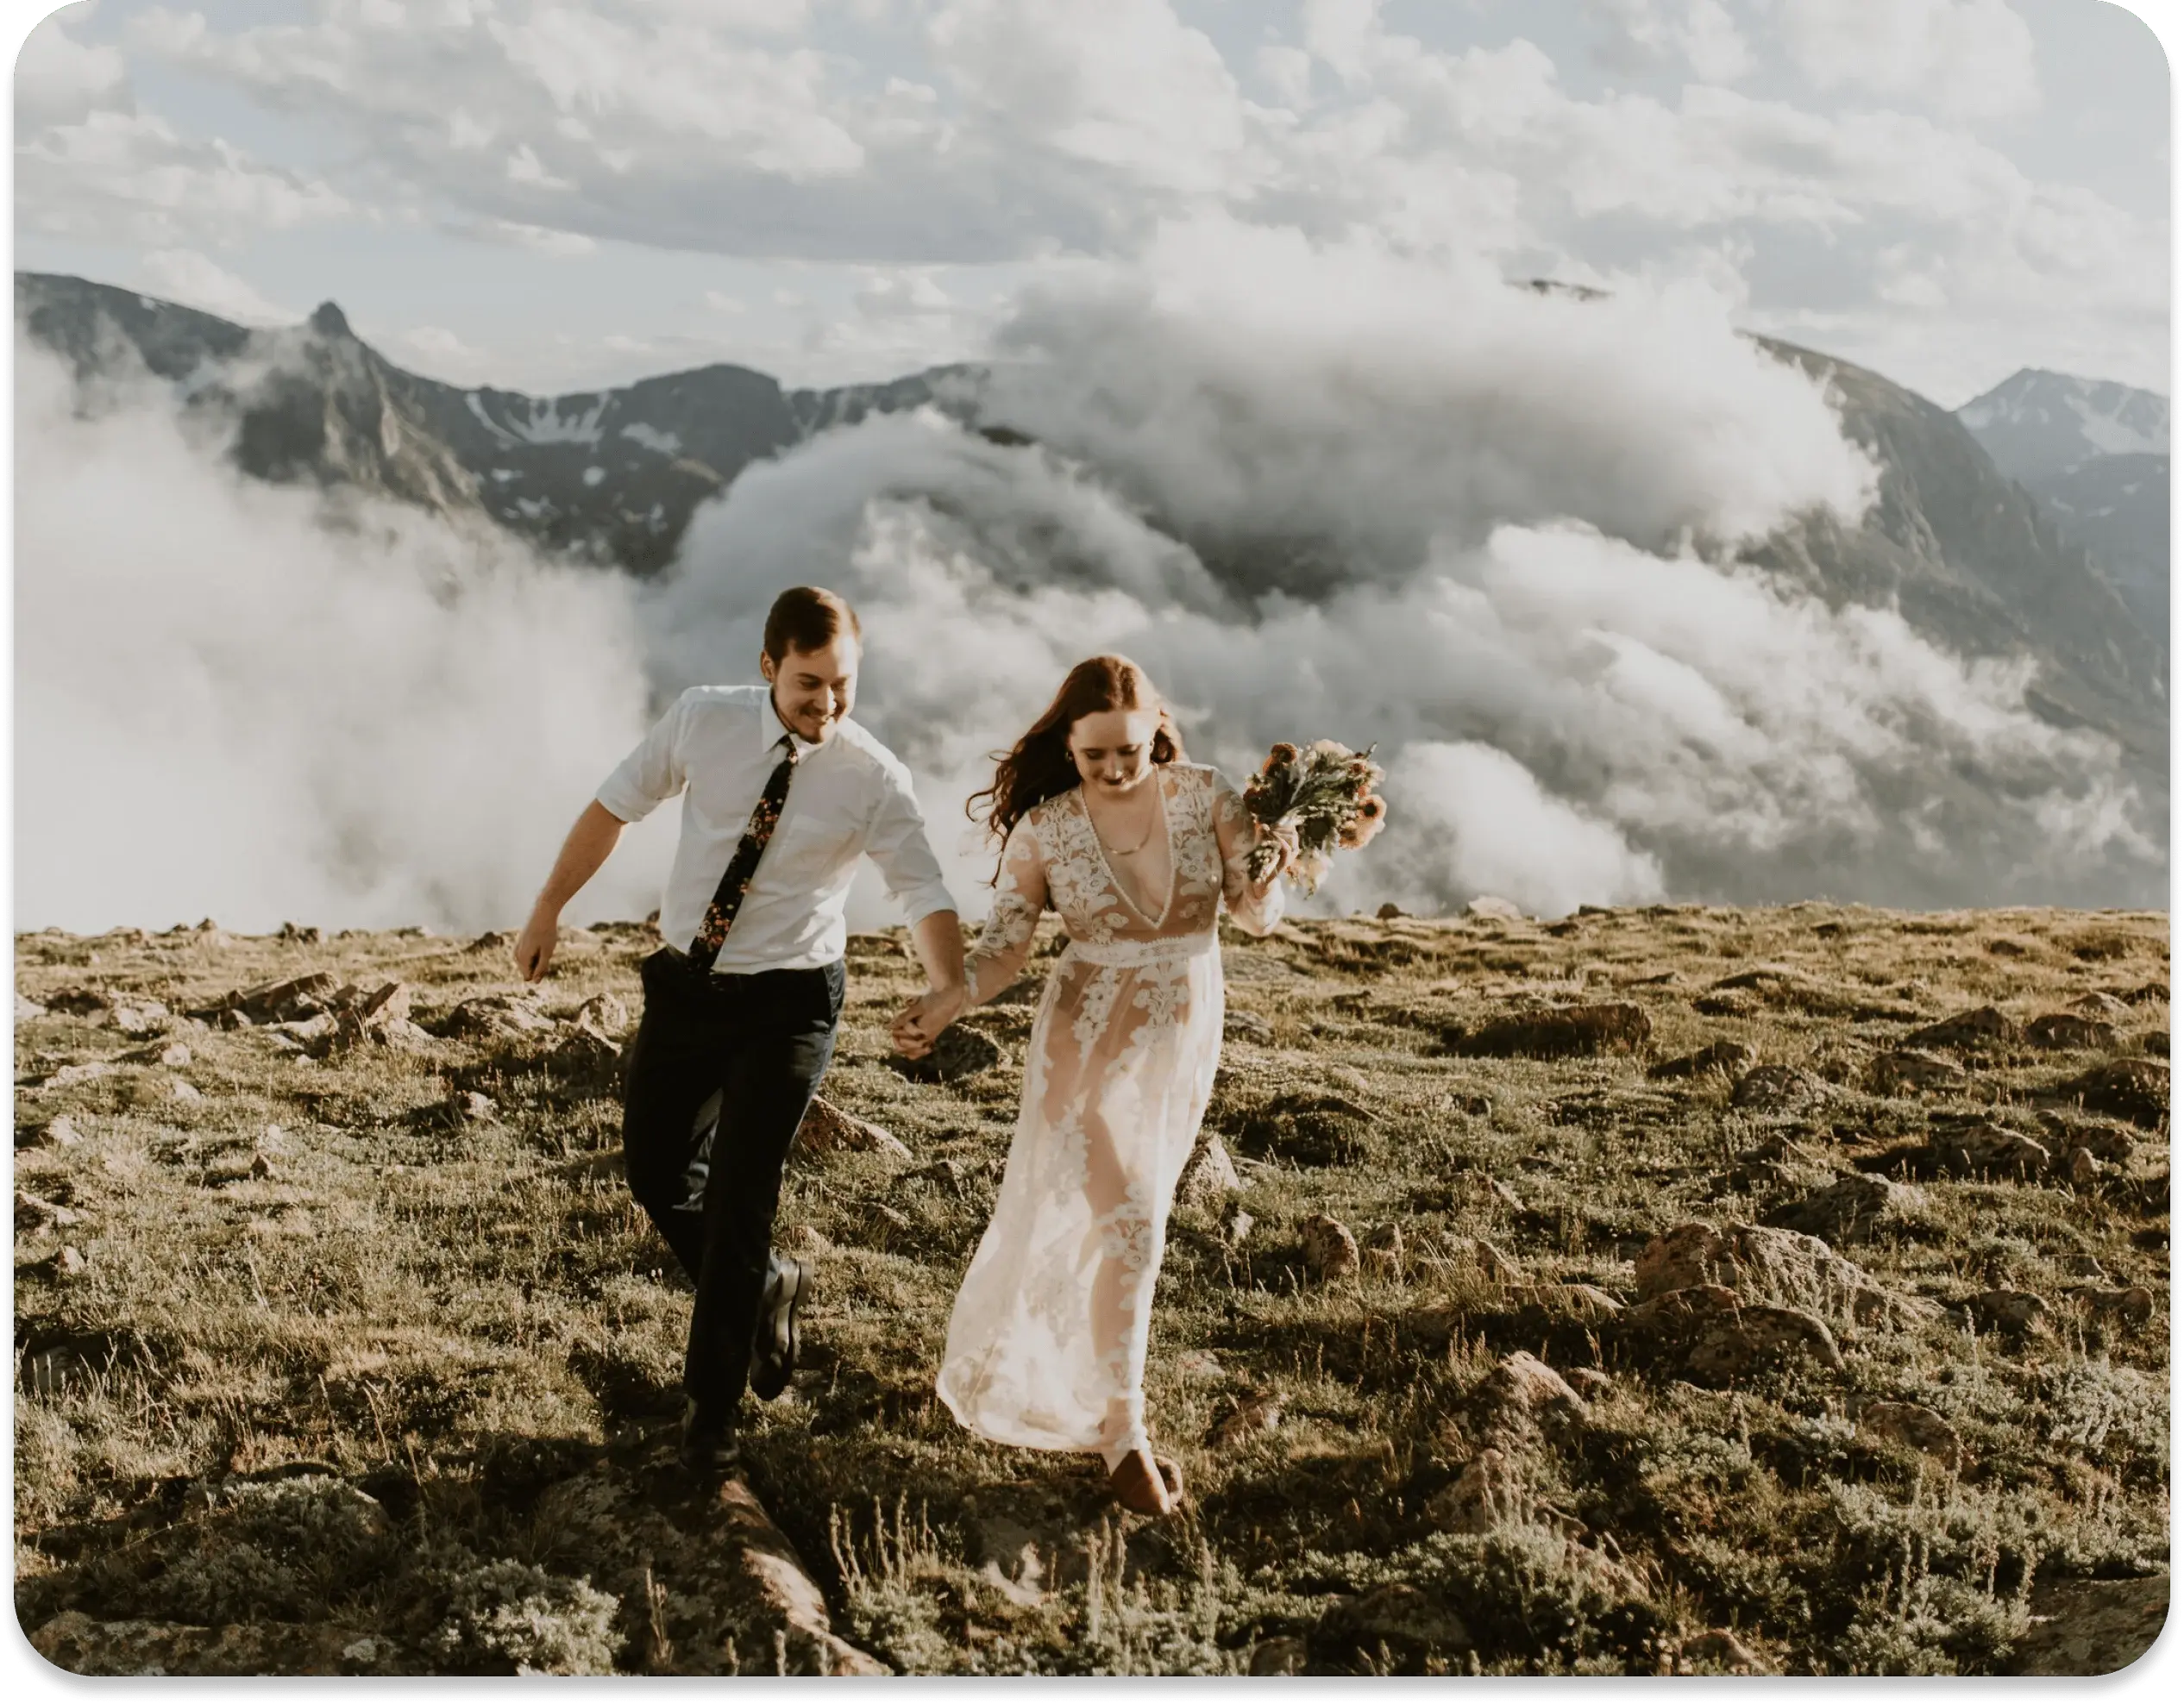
(224, 708)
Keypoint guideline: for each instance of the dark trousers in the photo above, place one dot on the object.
(762, 1042)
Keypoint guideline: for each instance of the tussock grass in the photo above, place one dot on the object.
(329, 1347)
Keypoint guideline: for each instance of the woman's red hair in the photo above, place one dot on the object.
(1038, 767)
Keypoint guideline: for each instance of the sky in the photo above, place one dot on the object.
(555, 196)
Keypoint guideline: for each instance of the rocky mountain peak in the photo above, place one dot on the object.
(329, 321)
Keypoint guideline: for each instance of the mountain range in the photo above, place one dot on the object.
(2032, 521)
(2095, 453)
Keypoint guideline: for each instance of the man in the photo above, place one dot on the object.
(781, 792)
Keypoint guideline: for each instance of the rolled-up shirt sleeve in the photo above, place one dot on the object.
(652, 774)
(896, 841)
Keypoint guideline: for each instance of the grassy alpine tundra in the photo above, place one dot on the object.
(1663, 1290)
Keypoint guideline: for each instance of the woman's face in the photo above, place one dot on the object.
(1112, 749)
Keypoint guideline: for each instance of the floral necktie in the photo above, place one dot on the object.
(728, 897)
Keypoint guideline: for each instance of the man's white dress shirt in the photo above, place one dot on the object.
(717, 747)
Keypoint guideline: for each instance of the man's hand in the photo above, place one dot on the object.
(920, 1023)
(535, 946)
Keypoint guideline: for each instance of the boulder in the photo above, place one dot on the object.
(2069, 1030)
(1729, 1057)
(1395, 1617)
(1309, 1129)
(1518, 1397)
(1244, 1418)
(1728, 1346)
(828, 1130)
(1559, 1032)
(1775, 1088)
(1246, 1026)
(1911, 1068)
(2087, 1628)
(1989, 1150)
(76, 1642)
(1489, 1493)
(1915, 1426)
(2135, 1090)
(1719, 1648)
(1848, 1210)
(499, 1018)
(27, 1009)
(960, 1052)
(1330, 1250)
(1762, 1264)
(2133, 1303)
(2007, 1310)
(1209, 1175)
(1492, 906)
(1981, 1028)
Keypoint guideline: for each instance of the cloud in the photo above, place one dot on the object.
(184, 275)
(1971, 59)
(229, 708)
(1700, 33)
(1575, 702)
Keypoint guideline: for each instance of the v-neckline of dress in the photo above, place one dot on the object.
(1167, 833)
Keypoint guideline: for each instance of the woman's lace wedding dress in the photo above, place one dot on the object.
(1046, 1347)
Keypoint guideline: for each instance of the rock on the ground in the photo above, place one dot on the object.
(27, 1009)
(1396, 1616)
(2068, 1030)
(61, 1133)
(1912, 1069)
(1309, 1129)
(1728, 1346)
(2134, 1090)
(828, 1130)
(1246, 1026)
(1916, 1425)
(2007, 1310)
(1986, 1149)
(1719, 1648)
(1982, 1027)
(1489, 1494)
(2092, 1626)
(1209, 1175)
(1246, 1417)
(960, 1052)
(1775, 1088)
(1493, 906)
(1729, 1057)
(2131, 1303)
(1330, 1249)
(1849, 1209)
(76, 1642)
(1521, 1394)
(1762, 1264)
(1557, 1032)
(498, 1018)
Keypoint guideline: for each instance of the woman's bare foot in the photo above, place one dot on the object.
(1137, 1484)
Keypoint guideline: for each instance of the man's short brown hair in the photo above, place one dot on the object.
(808, 619)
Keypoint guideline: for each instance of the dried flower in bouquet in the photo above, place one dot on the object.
(1320, 799)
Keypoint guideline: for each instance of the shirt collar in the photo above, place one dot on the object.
(771, 728)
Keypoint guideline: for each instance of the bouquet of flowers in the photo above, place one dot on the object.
(1319, 799)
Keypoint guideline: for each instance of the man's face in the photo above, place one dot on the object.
(813, 690)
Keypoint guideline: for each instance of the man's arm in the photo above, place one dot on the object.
(895, 839)
(587, 847)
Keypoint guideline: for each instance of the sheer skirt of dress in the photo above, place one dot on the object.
(1046, 1347)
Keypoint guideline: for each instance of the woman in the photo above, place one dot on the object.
(1103, 819)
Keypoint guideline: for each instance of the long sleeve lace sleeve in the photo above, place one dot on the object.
(1019, 896)
(1255, 909)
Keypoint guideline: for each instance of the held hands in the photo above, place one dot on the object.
(534, 948)
(919, 1023)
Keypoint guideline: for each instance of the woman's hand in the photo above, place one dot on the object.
(917, 1026)
(1285, 841)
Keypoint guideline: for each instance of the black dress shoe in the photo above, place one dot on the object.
(774, 1344)
(710, 1447)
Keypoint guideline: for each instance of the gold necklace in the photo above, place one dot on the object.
(1143, 842)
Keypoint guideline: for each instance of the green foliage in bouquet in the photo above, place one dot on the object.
(1318, 799)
